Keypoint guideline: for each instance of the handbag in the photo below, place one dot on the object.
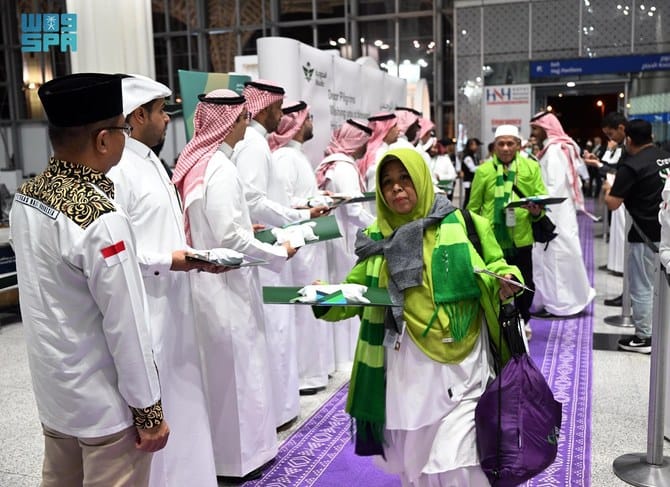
(543, 228)
(517, 419)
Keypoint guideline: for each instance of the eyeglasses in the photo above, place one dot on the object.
(127, 129)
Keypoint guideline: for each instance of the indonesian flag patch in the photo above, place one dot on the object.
(114, 254)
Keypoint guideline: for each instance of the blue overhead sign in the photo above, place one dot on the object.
(599, 65)
(652, 117)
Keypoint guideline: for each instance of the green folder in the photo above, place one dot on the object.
(539, 200)
(284, 295)
(445, 184)
(326, 229)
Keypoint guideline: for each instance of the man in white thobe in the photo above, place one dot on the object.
(562, 286)
(228, 307)
(269, 205)
(145, 192)
(338, 173)
(294, 178)
(384, 128)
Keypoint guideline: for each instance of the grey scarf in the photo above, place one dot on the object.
(403, 251)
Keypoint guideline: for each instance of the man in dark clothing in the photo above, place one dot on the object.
(639, 182)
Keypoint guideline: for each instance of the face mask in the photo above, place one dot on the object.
(528, 150)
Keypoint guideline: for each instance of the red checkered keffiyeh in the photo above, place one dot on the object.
(261, 94)
(556, 135)
(346, 139)
(406, 118)
(212, 123)
(426, 126)
(295, 114)
(381, 124)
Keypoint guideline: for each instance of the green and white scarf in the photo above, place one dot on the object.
(502, 193)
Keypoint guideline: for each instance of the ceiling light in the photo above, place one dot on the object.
(550, 108)
(342, 40)
(621, 95)
(378, 43)
(464, 32)
(570, 84)
(332, 42)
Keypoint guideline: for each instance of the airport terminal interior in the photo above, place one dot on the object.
(469, 66)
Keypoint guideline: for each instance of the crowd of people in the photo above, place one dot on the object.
(152, 367)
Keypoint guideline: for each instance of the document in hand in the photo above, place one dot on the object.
(291, 295)
(538, 200)
(501, 278)
(323, 228)
(212, 257)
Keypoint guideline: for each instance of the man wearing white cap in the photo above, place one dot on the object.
(145, 192)
(296, 181)
(228, 307)
(499, 180)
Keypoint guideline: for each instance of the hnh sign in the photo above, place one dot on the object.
(498, 94)
(40, 32)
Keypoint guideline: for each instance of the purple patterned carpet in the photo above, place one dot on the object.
(562, 349)
(320, 452)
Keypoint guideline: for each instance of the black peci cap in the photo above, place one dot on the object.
(81, 99)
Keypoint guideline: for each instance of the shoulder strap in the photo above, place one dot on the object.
(473, 236)
(518, 191)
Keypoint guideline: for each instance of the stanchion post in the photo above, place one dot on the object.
(652, 469)
(625, 319)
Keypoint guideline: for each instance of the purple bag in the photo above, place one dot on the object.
(517, 421)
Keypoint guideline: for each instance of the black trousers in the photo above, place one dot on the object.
(523, 259)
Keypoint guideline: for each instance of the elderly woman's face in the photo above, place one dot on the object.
(397, 187)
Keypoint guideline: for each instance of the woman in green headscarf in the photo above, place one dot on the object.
(421, 366)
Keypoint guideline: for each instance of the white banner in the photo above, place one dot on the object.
(335, 88)
(506, 105)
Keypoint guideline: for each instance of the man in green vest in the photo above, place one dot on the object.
(509, 176)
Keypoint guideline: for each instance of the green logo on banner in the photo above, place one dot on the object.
(308, 70)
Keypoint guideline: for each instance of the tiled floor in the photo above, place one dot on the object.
(620, 399)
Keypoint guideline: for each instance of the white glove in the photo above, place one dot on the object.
(353, 293)
(319, 200)
(226, 257)
(295, 235)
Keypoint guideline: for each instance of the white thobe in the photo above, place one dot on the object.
(343, 177)
(253, 159)
(616, 245)
(441, 168)
(314, 338)
(561, 284)
(85, 316)
(229, 322)
(268, 206)
(144, 191)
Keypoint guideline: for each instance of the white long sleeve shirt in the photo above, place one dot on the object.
(294, 172)
(253, 159)
(83, 303)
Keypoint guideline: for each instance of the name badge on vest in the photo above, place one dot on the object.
(510, 217)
